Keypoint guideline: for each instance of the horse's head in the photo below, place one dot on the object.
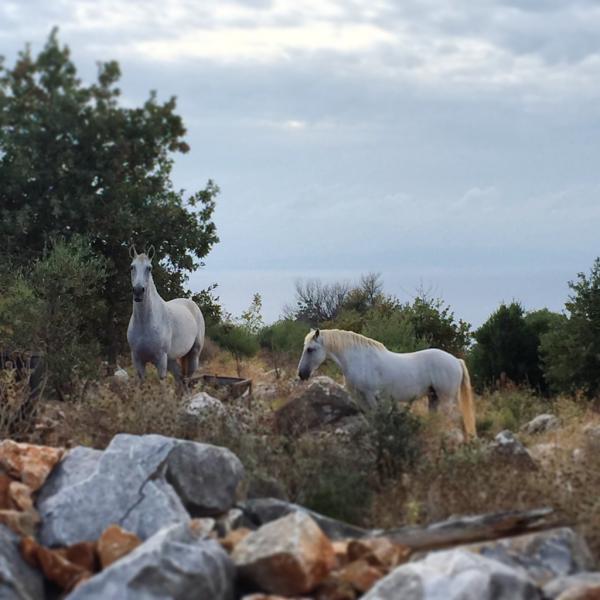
(313, 355)
(141, 272)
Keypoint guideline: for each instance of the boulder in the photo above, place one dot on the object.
(177, 562)
(545, 555)
(18, 581)
(288, 556)
(206, 478)
(258, 511)
(541, 424)
(453, 575)
(508, 448)
(320, 403)
(574, 586)
(123, 485)
(204, 406)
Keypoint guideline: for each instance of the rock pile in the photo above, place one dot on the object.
(152, 517)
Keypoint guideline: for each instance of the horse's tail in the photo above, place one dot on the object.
(466, 402)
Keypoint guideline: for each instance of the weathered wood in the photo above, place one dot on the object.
(471, 529)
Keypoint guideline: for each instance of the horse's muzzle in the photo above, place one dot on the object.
(304, 374)
(138, 294)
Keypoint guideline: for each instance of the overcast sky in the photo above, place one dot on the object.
(447, 144)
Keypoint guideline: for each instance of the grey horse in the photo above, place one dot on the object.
(162, 332)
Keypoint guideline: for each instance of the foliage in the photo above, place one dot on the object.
(394, 329)
(251, 319)
(237, 340)
(508, 346)
(73, 161)
(284, 340)
(52, 307)
(571, 349)
(209, 305)
(394, 435)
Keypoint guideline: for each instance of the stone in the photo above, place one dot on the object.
(288, 556)
(508, 448)
(22, 522)
(541, 424)
(545, 555)
(359, 574)
(18, 580)
(124, 485)
(591, 435)
(20, 494)
(233, 538)
(66, 567)
(569, 585)
(205, 406)
(321, 403)
(380, 552)
(176, 562)
(114, 543)
(28, 463)
(455, 575)
(206, 478)
(258, 511)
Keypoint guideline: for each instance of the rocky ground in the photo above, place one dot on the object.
(156, 517)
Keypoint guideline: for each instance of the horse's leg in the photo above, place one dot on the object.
(448, 404)
(140, 366)
(193, 358)
(174, 367)
(161, 365)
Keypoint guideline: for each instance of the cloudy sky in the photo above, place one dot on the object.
(447, 144)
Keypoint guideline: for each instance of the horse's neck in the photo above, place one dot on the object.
(349, 357)
(147, 310)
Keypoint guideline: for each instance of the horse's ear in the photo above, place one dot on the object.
(317, 333)
(151, 252)
(132, 251)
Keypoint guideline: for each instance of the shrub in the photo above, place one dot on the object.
(571, 350)
(237, 340)
(284, 341)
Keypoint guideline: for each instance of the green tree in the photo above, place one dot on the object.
(571, 349)
(508, 344)
(73, 161)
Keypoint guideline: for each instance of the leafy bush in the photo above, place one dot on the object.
(394, 329)
(237, 340)
(394, 434)
(52, 309)
(284, 341)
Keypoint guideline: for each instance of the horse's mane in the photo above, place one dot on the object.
(337, 340)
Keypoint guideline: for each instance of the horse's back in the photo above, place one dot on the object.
(444, 369)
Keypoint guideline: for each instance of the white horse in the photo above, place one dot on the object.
(372, 372)
(162, 332)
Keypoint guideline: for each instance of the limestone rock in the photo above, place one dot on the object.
(18, 580)
(177, 562)
(455, 575)
(544, 555)
(573, 586)
(28, 463)
(508, 448)
(66, 567)
(207, 478)
(114, 543)
(320, 403)
(541, 424)
(258, 511)
(203, 405)
(288, 556)
(123, 485)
